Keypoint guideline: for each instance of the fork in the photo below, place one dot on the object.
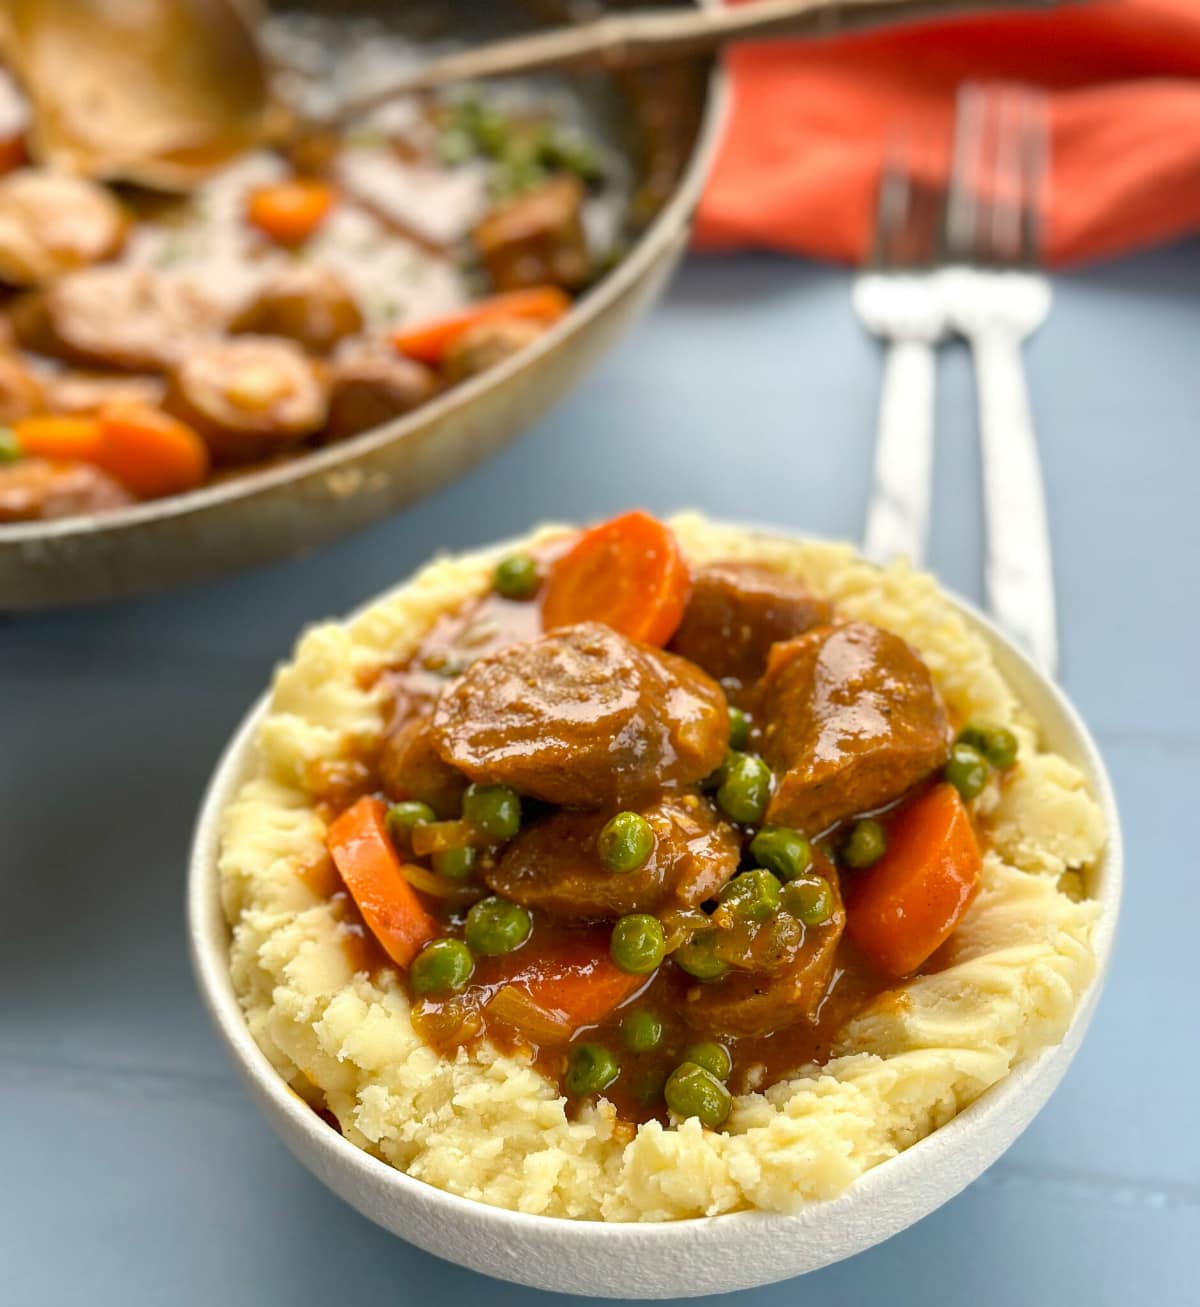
(897, 297)
(996, 299)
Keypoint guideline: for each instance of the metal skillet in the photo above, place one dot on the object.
(291, 509)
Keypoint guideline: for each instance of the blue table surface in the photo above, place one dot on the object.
(135, 1171)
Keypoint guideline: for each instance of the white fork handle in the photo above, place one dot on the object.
(1019, 571)
(898, 512)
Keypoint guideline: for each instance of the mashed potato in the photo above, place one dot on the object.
(488, 1126)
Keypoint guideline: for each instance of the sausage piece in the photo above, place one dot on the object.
(88, 392)
(410, 768)
(248, 397)
(553, 865)
(737, 611)
(305, 302)
(37, 489)
(128, 319)
(852, 720)
(51, 224)
(536, 239)
(488, 343)
(793, 965)
(583, 717)
(373, 386)
(20, 391)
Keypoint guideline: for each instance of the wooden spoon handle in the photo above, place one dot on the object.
(623, 40)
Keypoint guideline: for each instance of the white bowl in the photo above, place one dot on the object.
(680, 1258)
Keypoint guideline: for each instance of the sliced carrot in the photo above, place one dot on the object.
(80, 439)
(906, 906)
(629, 573)
(573, 976)
(371, 869)
(289, 212)
(151, 452)
(429, 342)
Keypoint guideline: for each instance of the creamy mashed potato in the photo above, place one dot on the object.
(489, 1126)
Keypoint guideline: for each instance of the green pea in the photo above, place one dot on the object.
(642, 1031)
(638, 944)
(809, 901)
(442, 967)
(455, 864)
(713, 1057)
(865, 845)
(967, 771)
(692, 1091)
(495, 926)
(591, 1068)
(752, 896)
(716, 778)
(10, 446)
(698, 958)
(402, 817)
(739, 728)
(626, 842)
(998, 745)
(782, 850)
(744, 792)
(516, 577)
(493, 810)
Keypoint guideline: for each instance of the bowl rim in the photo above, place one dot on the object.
(666, 227)
(208, 938)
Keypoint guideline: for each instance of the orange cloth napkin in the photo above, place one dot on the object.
(810, 122)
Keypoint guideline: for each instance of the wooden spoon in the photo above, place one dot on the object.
(160, 92)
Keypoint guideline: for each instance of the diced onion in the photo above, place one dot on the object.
(442, 836)
(440, 887)
(681, 924)
(514, 1007)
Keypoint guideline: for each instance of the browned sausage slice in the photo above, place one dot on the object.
(130, 319)
(51, 224)
(20, 391)
(372, 386)
(737, 611)
(248, 397)
(37, 489)
(410, 768)
(487, 344)
(792, 965)
(88, 392)
(852, 720)
(537, 239)
(305, 302)
(583, 717)
(553, 865)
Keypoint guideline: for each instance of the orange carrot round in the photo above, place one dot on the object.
(289, 212)
(151, 452)
(371, 869)
(628, 572)
(906, 906)
(428, 342)
(77, 439)
(575, 976)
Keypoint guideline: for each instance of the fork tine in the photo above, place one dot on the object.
(892, 208)
(1035, 175)
(962, 214)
